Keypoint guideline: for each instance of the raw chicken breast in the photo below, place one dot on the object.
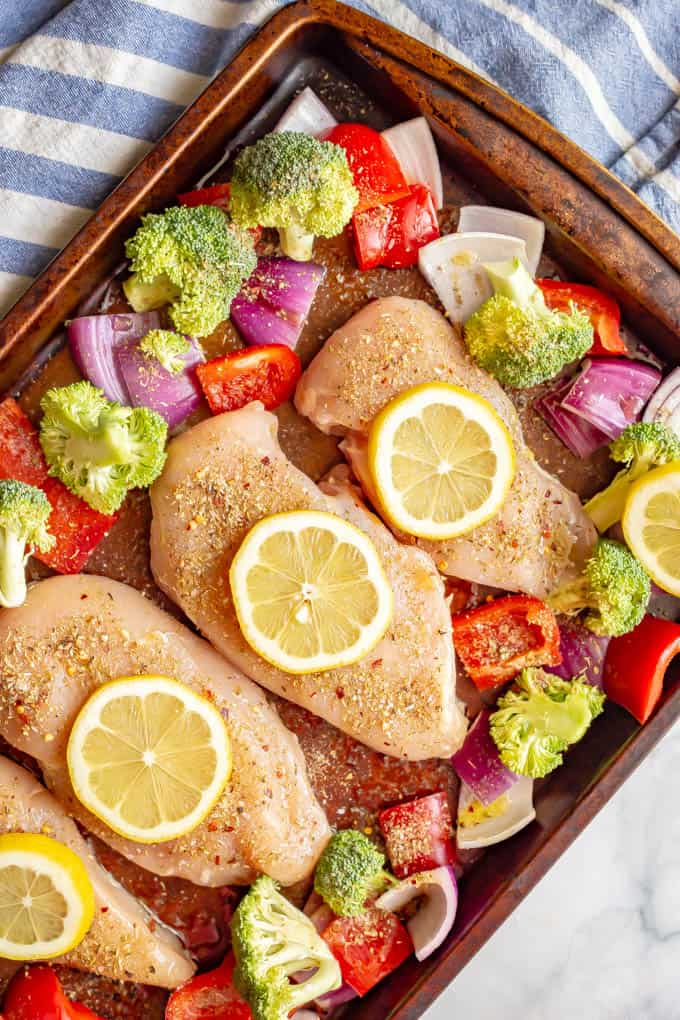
(540, 537)
(222, 477)
(119, 944)
(73, 634)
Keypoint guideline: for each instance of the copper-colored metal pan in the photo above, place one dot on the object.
(597, 230)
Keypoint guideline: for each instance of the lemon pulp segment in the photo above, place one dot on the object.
(310, 592)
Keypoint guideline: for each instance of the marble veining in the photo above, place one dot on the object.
(599, 937)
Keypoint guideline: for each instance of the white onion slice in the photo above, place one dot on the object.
(452, 265)
(307, 114)
(483, 219)
(519, 812)
(664, 404)
(434, 920)
(413, 145)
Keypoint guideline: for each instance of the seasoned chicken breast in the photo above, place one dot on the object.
(540, 537)
(122, 943)
(73, 634)
(222, 477)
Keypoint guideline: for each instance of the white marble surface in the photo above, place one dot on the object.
(599, 937)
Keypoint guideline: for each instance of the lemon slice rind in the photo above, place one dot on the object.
(411, 405)
(293, 523)
(46, 859)
(660, 482)
(89, 721)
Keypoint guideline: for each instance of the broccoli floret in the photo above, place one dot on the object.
(296, 183)
(641, 447)
(613, 587)
(99, 449)
(272, 940)
(534, 724)
(166, 347)
(24, 511)
(193, 257)
(349, 871)
(516, 337)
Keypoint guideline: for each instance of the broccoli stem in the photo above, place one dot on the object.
(296, 244)
(567, 720)
(571, 598)
(606, 507)
(12, 563)
(103, 448)
(511, 279)
(146, 296)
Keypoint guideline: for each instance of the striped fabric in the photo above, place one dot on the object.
(87, 86)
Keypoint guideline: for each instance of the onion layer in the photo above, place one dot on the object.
(150, 385)
(583, 653)
(664, 405)
(413, 145)
(452, 265)
(478, 763)
(576, 433)
(610, 393)
(308, 115)
(94, 340)
(434, 919)
(518, 812)
(490, 219)
(273, 304)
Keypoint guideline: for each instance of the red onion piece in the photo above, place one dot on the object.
(305, 1014)
(478, 763)
(150, 385)
(610, 393)
(94, 340)
(259, 324)
(313, 902)
(273, 304)
(330, 1001)
(322, 917)
(662, 603)
(434, 919)
(576, 433)
(583, 653)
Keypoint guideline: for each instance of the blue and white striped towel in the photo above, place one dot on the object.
(87, 86)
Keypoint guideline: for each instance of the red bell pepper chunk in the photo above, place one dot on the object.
(602, 310)
(78, 528)
(368, 947)
(498, 639)
(636, 663)
(418, 834)
(268, 373)
(209, 996)
(214, 194)
(377, 175)
(35, 993)
(392, 235)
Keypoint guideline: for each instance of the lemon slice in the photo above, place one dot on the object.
(46, 897)
(441, 461)
(149, 757)
(310, 591)
(651, 525)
